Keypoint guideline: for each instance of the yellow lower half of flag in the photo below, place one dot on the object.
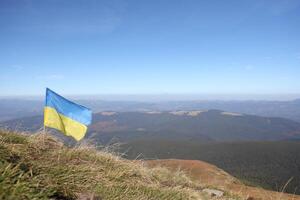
(66, 125)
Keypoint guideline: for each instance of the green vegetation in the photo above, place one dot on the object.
(40, 167)
(266, 164)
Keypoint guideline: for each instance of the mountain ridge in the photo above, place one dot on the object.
(202, 125)
(14, 108)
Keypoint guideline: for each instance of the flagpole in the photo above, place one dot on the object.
(44, 134)
(44, 130)
(44, 127)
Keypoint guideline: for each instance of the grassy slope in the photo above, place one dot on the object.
(211, 175)
(40, 167)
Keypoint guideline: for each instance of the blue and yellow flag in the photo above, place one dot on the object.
(69, 118)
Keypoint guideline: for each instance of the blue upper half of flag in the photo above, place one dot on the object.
(68, 108)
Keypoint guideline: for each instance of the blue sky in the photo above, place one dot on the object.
(150, 47)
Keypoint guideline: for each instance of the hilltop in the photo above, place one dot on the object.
(41, 167)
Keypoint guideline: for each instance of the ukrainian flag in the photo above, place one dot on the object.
(69, 118)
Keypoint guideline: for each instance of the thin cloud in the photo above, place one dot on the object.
(268, 57)
(51, 77)
(249, 67)
(17, 67)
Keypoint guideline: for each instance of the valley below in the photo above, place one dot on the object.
(269, 165)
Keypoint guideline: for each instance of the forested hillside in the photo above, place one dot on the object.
(266, 164)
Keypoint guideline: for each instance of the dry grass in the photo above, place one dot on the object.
(41, 167)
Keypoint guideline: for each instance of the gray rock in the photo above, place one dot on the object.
(213, 192)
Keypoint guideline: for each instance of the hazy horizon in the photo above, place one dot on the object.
(167, 97)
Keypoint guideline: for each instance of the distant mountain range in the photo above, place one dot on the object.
(204, 126)
(16, 108)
